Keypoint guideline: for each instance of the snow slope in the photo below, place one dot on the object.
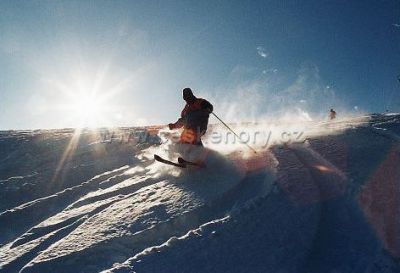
(96, 201)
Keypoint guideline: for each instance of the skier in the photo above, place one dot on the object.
(194, 118)
(332, 114)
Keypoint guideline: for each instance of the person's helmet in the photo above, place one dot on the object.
(187, 91)
(188, 95)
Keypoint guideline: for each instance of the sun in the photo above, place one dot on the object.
(86, 106)
(88, 110)
(88, 95)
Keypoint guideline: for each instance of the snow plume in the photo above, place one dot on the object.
(304, 98)
(278, 112)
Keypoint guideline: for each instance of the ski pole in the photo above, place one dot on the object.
(226, 125)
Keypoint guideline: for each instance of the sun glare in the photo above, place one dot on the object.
(88, 95)
(86, 106)
(88, 110)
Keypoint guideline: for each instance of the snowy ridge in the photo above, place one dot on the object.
(298, 207)
(158, 210)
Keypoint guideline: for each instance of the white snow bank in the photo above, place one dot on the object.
(323, 203)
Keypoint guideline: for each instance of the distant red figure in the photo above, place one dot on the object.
(332, 114)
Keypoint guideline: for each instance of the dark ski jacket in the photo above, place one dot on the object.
(195, 115)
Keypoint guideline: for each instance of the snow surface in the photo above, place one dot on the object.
(96, 201)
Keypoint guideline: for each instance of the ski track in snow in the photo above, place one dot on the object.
(297, 213)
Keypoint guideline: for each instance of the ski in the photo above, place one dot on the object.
(165, 161)
(183, 161)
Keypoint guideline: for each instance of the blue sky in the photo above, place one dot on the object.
(121, 63)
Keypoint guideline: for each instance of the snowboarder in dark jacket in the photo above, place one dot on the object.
(194, 118)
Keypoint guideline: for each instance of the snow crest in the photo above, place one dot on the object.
(95, 201)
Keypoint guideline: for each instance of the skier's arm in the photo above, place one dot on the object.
(184, 110)
(180, 122)
(177, 124)
(206, 105)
